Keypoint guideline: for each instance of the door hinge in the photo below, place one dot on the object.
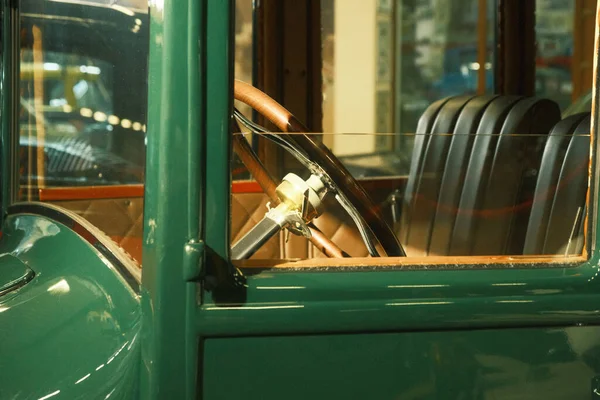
(200, 263)
(193, 260)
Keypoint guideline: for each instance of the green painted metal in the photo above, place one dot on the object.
(424, 334)
(548, 363)
(76, 329)
(219, 79)
(176, 130)
(73, 331)
(374, 332)
(13, 274)
(294, 302)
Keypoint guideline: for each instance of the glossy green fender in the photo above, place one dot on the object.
(73, 330)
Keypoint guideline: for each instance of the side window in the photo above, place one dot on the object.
(565, 49)
(421, 51)
(420, 157)
(555, 64)
(66, 120)
(82, 116)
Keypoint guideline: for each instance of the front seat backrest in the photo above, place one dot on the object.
(454, 173)
(514, 162)
(477, 169)
(422, 136)
(558, 206)
(425, 183)
(464, 165)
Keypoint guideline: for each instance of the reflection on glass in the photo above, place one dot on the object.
(472, 194)
(555, 44)
(504, 181)
(244, 30)
(425, 50)
(77, 127)
(82, 116)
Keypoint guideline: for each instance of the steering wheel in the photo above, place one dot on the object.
(321, 162)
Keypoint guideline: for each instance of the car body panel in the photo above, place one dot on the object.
(78, 330)
(471, 332)
(74, 327)
(550, 363)
(14, 274)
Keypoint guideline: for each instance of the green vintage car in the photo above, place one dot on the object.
(161, 241)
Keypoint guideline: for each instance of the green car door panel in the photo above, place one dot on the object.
(513, 333)
(73, 329)
(552, 363)
(291, 302)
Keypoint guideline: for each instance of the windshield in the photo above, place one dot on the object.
(78, 127)
(82, 115)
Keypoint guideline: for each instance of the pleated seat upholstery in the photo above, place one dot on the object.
(475, 159)
(558, 210)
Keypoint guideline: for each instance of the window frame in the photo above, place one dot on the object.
(514, 56)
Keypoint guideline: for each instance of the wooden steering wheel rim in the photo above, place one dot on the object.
(320, 154)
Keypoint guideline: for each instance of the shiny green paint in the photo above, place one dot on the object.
(564, 363)
(280, 302)
(75, 327)
(506, 332)
(176, 131)
(373, 333)
(13, 274)
(219, 78)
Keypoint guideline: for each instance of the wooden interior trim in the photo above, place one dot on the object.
(131, 245)
(314, 70)
(91, 192)
(410, 261)
(288, 54)
(241, 187)
(288, 68)
(251, 186)
(516, 48)
(268, 70)
(583, 46)
(132, 191)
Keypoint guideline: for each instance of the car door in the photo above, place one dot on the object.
(291, 323)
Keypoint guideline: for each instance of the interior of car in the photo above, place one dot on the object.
(474, 186)
(478, 173)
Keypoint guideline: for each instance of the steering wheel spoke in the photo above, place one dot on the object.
(328, 173)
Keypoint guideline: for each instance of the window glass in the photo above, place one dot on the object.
(491, 194)
(407, 53)
(244, 35)
(555, 44)
(82, 116)
(244, 39)
(244, 66)
(70, 123)
(444, 166)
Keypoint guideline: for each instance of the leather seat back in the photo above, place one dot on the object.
(432, 141)
(472, 161)
(558, 210)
